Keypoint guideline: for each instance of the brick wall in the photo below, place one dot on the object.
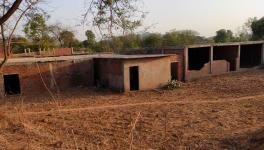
(67, 74)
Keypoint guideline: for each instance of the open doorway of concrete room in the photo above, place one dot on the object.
(198, 57)
(228, 53)
(134, 78)
(12, 84)
(174, 71)
(250, 55)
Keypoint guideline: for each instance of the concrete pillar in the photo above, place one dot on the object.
(262, 54)
(238, 58)
(211, 59)
(186, 63)
(2, 86)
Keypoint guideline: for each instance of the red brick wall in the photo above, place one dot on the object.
(67, 74)
(51, 52)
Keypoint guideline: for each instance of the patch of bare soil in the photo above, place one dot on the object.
(223, 112)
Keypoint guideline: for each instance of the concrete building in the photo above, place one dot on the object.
(136, 70)
(31, 75)
(215, 59)
(132, 72)
(176, 62)
(117, 72)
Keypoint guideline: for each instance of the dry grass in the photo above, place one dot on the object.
(224, 112)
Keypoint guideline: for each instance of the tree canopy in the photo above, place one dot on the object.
(223, 36)
(257, 27)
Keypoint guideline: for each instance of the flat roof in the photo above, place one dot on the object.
(225, 44)
(21, 60)
(131, 56)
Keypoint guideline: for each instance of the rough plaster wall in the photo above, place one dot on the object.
(110, 73)
(220, 67)
(228, 53)
(63, 73)
(205, 71)
(179, 56)
(153, 72)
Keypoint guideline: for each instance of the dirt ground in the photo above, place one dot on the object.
(222, 112)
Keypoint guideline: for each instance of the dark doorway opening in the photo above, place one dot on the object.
(198, 57)
(96, 73)
(12, 84)
(228, 53)
(250, 55)
(134, 78)
(174, 71)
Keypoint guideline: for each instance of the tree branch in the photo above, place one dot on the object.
(10, 12)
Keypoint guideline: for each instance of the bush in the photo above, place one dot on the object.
(174, 84)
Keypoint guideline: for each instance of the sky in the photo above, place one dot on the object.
(203, 16)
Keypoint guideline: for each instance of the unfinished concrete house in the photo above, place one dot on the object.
(33, 75)
(132, 72)
(215, 59)
(176, 59)
(251, 55)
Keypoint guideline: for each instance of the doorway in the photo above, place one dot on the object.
(134, 78)
(174, 71)
(12, 84)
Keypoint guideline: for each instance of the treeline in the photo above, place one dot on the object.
(39, 35)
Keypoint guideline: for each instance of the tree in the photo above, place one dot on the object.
(67, 38)
(37, 30)
(131, 41)
(119, 15)
(257, 27)
(223, 36)
(10, 20)
(10, 11)
(182, 37)
(153, 40)
(19, 44)
(55, 30)
(90, 42)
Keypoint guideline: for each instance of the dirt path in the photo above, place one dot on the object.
(94, 108)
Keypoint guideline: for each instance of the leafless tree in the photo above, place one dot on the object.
(122, 16)
(9, 27)
(56, 30)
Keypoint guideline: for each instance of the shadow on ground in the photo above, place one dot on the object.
(246, 141)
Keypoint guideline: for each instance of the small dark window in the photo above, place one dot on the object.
(134, 79)
(12, 84)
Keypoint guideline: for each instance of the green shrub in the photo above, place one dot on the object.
(174, 84)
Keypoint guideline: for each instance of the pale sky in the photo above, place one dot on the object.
(204, 16)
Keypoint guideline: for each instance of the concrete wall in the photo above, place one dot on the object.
(220, 59)
(64, 74)
(225, 58)
(108, 73)
(153, 72)
(228, 53)
(178, 56)
(218, 67)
